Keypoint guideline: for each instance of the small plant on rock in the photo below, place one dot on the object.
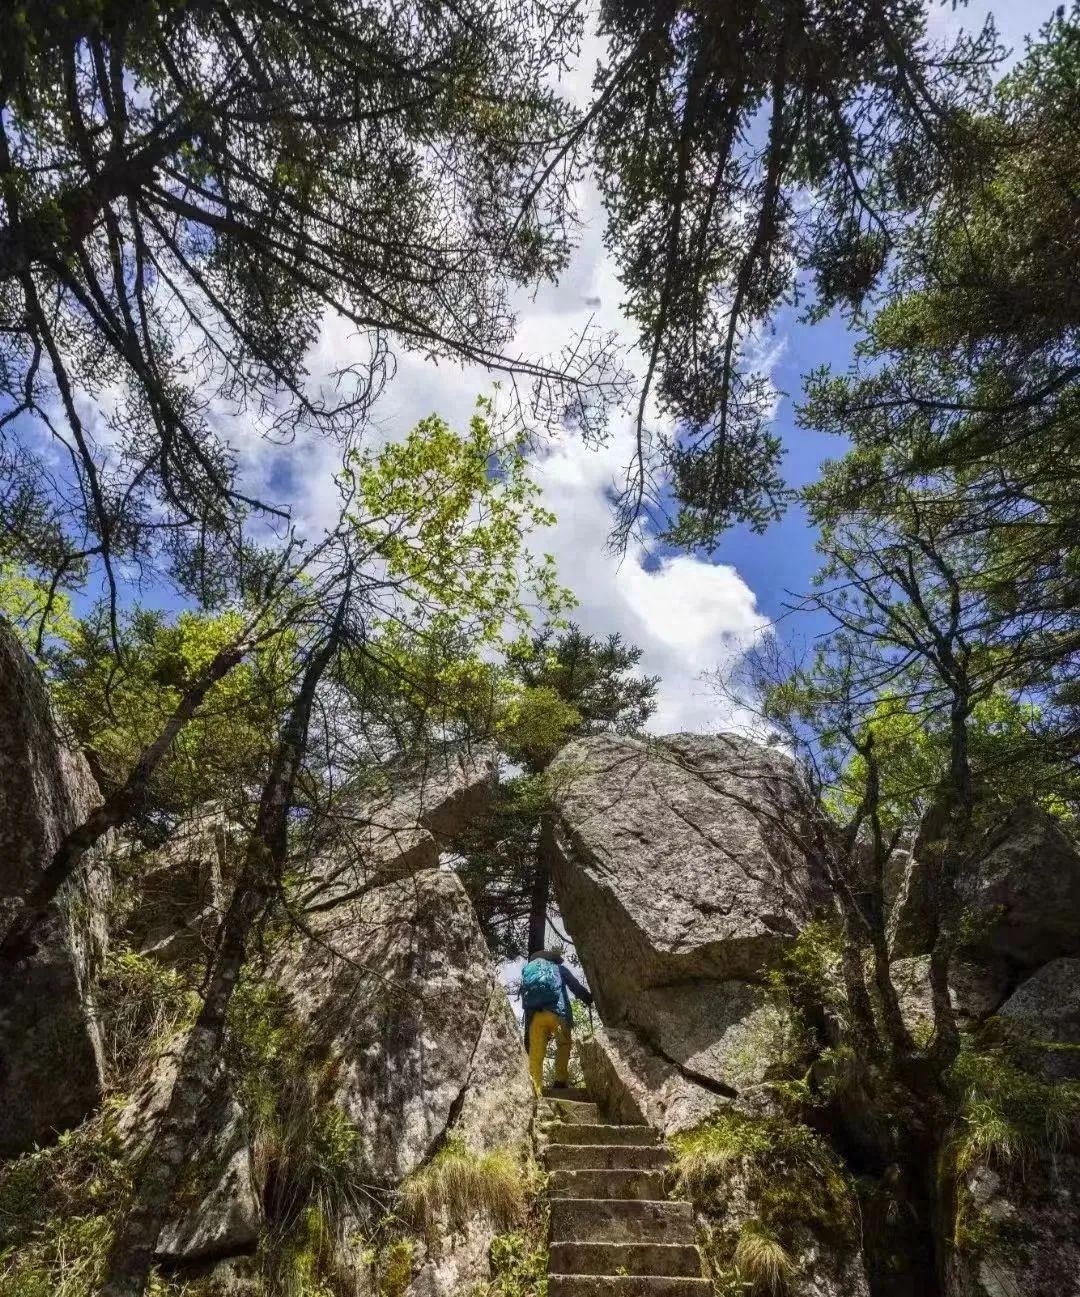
(141, 1005)
(1007, 1115)
(519, 1262)
(790, 1189)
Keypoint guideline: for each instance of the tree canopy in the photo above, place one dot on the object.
(961, 417)
(753, 156)
(188, 192)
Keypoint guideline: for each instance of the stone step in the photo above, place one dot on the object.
(565, 1132)
(570, 1111)
(571, 1092)
(604, 1220)
(614, 1157)
(607, 1183)
(671, 1259)
(626, 1285)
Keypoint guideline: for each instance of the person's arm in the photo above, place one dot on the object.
(574, 985)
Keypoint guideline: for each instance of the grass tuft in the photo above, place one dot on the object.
(791, 1175)
(763, 1263)
(780, 1173)
(140, 1005)
(458, 1184)
(1009, 1116)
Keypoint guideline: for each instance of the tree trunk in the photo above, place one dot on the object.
(132, 1254)
(541, 888)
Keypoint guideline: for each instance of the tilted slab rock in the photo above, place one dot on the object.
(393, 984)
(398, 826)
(681, 860)
(226, 1218)
(401, 988)
(50, 1048)
(728, 1034)
(220, 1212)
(398, 992)
(680, 876)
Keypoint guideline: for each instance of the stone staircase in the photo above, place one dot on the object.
(614, 1232)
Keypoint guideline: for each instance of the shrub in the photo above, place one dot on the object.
(395, 1267)
(781, 1172)
(58, 1208)
(141, 1005)
(519, 1262)
(1007, 1117)
(808, 970)
(66, 1259)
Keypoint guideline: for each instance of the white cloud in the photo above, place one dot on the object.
(687, 614)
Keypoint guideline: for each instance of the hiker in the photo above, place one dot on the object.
(545, 995)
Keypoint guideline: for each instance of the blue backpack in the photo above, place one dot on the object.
(541, 985)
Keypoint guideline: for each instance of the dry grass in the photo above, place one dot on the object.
(458, 1184)
(763, 1263)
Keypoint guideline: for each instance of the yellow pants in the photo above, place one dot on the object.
(544, 1025)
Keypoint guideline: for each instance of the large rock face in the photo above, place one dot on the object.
(637, 1086)
(975, 991)
(220, 1213)
(50, 1049)
(390, 983)
(399, 985)
(179, 890)
(1030, 1243)
(396, 992)
(681, 878)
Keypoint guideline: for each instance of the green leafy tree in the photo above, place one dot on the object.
(116, 708)
(432, 542)
(1005, 735)
(443, 519)
(34, 612)
(967, 389)
(596, 677)
(942, 692)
